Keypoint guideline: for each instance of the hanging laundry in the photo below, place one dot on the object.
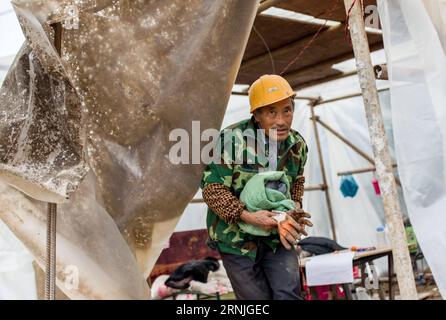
(376, 186)
(349, 187)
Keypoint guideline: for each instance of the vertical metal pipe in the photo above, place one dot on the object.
(324, 176)
(381, 152)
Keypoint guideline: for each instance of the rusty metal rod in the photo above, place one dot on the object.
(50, 268)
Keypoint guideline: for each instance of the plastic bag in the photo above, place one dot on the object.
(349, 187)
(129, 73)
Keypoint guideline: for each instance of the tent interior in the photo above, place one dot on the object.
(307, 43)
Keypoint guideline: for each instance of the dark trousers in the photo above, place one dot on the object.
(273, 276)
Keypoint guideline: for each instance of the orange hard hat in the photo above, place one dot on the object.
(268, 89)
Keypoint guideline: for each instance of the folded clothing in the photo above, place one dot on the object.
(319, 245)
(197, 270)
(218, 282)
(270, 191)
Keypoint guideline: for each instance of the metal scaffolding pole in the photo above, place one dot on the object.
(345, 97)
(383, 161)
(324, 176)
(359, 171)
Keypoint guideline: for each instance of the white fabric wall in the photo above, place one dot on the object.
(11, 36)
(414, 37)
(17, 277)
(355, 218)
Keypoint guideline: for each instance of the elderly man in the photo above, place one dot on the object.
(259, 267)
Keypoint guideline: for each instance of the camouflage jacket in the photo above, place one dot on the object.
(292, 156)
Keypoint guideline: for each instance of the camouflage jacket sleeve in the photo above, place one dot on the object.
(216, 188)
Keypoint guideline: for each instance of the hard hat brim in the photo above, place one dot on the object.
(271, 102)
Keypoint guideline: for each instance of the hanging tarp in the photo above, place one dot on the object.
(414, 38)
(40, 131)
(129, 73)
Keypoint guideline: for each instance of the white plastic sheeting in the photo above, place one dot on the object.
(414, 37)
(17, 278)
(11, 37)
(355, 219)
(131, 102)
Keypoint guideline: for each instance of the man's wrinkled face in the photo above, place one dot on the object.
(278, 116)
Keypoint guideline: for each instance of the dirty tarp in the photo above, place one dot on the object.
(128, 74)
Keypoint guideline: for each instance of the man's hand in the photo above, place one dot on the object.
(289, 232)
(301, 217)
(262, 219)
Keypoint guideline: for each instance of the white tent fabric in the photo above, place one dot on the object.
(11, 37)
(142, 210)
(414, 37)
(355, 218)
(17, 277)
